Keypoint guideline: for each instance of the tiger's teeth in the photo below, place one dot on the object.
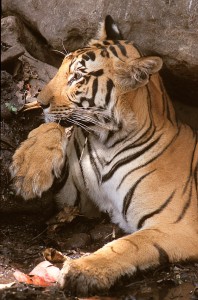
(30, 106)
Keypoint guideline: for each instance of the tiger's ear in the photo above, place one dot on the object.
(133, 74)
(109, 30)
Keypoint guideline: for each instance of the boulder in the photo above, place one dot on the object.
(15, 33)
(167, 27)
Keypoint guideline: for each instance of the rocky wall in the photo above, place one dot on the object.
(168, 28)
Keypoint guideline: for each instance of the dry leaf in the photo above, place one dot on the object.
(66, 215)
(54, 256)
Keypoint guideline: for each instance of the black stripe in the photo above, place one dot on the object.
(99, 46)
(71, 63)
(82, 63)
(131, 146)
(151, 160)
(77, 200)
(187, 183)
(196, 179)
(87, 78)
(85, 57)
(168, 113)
(140, 141)
(83, 175)
(163, 255)
(110, 86)
(78, 92)
(186, 206)
(130, 193)
(82, 50)
(91, 55)
(113, 50)
(123, 139)
(94, 90)
(157, 211)
(137, 48)
(99, 159)
(93, 163)
(127, 239)
(77, 148)
(191, 168)
(106, 43)
(97, 73)
(121, 47)
(111, 133)
(128, 159)
(163, 99)
(165, 102)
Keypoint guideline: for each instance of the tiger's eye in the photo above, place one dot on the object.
(78, 76)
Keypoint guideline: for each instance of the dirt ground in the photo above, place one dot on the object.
(23, 238)
(24, 233)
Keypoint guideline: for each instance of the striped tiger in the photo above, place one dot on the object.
(124, 152)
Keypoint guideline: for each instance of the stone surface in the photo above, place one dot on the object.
(21, 41)
(105, 232)
(78, 240)
(14, 129)
(11, 54)
(15, 33)
(187, 114)
(168, 27)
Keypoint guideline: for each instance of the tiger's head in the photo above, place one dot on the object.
(99, 86)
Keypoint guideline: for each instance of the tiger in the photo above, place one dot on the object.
(112, 142)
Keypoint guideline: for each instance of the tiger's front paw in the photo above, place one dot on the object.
(39, 160)
(82, 277)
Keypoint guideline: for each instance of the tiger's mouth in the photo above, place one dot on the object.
(65, 123)
(31, 106)
(35, 105)
(87, 119)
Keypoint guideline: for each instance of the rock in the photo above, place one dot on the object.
(167, 27)
(8, 95)
(11, 54)
(187, 114)
(14, 32)
(44, 72)
(105, 232)
(14, 129)
(78, 240)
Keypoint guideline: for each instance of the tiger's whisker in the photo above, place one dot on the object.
(54, 50)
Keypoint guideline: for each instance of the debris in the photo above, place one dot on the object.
(76, 241)
(6, 285)
(66, 215)
(44, 274)
(54, 256)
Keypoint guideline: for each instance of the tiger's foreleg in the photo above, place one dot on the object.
(39, 160)
(143, 249)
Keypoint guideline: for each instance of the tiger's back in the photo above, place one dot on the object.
(127, 153)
